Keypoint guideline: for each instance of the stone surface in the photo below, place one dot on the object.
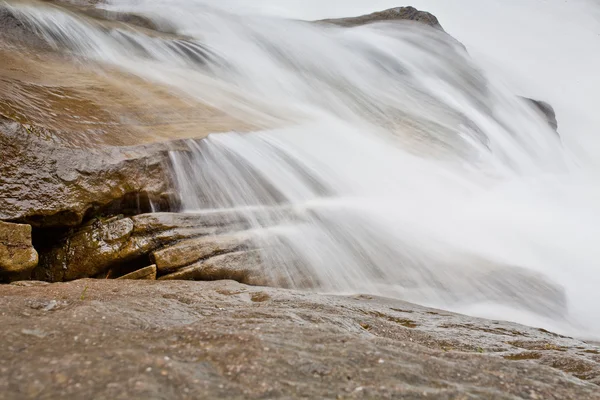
(392, 14)
(105, 106)
(190, 251)
(241, 266)
(47, 185)
(114, 243)
(117, 339)
(17, 255)
(105, 244)
(546, 110)
(147, 273)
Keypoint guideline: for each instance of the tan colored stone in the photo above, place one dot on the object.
(147, 273)
(103, 244)
(223, 339)
(190, 251)
(242, 266)
(17, 254)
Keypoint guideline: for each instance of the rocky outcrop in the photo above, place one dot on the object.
(193, 250)
(241, 266)
(17, 255)
(546, 110)
(46, 185)
(115, 246)
(108, 339)
(392, 14)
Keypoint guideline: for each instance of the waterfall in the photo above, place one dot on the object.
(409, 172)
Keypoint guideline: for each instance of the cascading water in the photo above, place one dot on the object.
(400, 169)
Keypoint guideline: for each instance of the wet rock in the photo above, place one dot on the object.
(17, 255)
(47, 185)
(546, 110)
(190, 251)
(226, 340)
(105, 244)
(148, 273)
(242, 266)
(392, 14)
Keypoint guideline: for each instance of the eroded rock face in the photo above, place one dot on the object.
(117, 339)
(47, 185)
(241, 266)
(193, 250)
(172, 240)
(392, 14)
(547, 110)
(17, 255)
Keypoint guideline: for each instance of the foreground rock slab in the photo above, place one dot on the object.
(113, 339)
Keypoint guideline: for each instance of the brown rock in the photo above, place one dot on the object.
(242, 266)
(392, 14)
(17, 255)
(210, 340)
(104, 244)
(148, 273)
(47, 185)
(190, 251)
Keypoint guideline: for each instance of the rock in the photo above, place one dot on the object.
(190, 251)
(392, 14)
(148, 273)
(546, 110)
(105, 244)
(47, 185)
(42, 84)
(17, 255)
(195, 340)
(242, 266)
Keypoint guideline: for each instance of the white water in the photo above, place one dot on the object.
(415, 174)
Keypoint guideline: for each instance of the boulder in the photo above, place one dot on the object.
(392, 14)
(546, 109)
(17, 255)
(241, 266)
(191, 251)
(103, 245)
(148, 273)
(45, 184)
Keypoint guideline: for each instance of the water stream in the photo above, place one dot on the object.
(415, 174)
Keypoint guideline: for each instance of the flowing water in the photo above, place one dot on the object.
(407, 171)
